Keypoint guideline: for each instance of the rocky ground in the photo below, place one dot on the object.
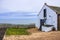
(2, 32)
(36, 35)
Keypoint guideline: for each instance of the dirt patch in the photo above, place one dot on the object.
(33, 30)
(54, 35)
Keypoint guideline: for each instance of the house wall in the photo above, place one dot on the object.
(51, 16)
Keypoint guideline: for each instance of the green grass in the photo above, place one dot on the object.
(17, 31)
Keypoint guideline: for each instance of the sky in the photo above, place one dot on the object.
(23, 10)
(25, 5)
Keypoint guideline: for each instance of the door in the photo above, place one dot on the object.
(41, 23)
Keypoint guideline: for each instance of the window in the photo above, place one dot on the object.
(44, 12)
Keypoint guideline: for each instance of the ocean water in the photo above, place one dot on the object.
(18, 21)
(18, 17)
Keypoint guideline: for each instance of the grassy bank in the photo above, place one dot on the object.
(17, 31)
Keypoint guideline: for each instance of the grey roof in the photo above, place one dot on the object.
(56, 9)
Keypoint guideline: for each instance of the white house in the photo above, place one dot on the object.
(49, 18)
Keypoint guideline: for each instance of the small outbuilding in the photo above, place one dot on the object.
(49, 18)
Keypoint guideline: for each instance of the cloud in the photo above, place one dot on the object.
(23, 5)
(26, 5)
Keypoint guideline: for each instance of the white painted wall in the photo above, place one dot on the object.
(51, 16)
(46, 29)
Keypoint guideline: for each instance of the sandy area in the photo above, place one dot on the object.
(54, 35)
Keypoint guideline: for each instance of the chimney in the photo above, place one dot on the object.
(45, 3)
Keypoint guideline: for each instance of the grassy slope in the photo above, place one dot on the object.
(17, 31)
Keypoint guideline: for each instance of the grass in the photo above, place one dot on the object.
(17, 31)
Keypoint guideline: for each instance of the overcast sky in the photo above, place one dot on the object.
(25, 5)
(31, 6)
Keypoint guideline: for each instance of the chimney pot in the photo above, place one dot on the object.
(45, 3)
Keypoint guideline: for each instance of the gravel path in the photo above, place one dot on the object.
(54, 35)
